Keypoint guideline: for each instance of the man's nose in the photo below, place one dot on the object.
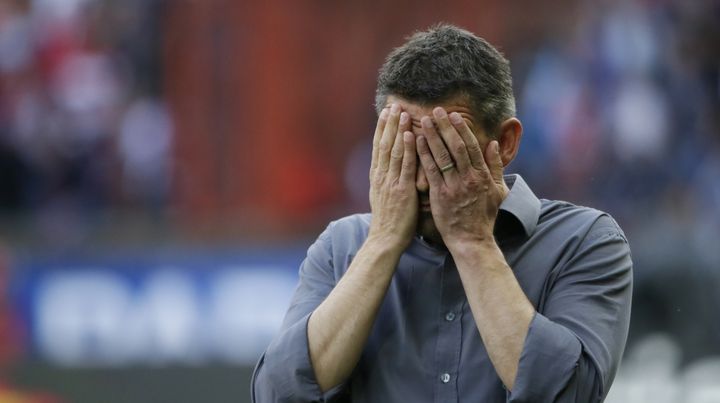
(421, 183)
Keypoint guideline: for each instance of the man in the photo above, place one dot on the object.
(461, 285)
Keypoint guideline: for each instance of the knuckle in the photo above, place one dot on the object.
(378, 178)
(458, 147)
(485, 176)
(473, 148)
(407, 167)
(472, 182)
(396, 154)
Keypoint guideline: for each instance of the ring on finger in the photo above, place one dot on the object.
(447, 167)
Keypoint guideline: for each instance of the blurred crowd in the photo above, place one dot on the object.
(83, 126)
(620, 104)
(623, 111)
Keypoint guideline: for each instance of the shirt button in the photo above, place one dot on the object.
(445, 378)
(450, 316)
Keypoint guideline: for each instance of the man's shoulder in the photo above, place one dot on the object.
(588, 220)
(348, 230)
(351, 223)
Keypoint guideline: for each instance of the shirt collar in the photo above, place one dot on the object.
(521, 203)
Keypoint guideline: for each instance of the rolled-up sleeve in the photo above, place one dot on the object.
(284, 373)
(575, 342)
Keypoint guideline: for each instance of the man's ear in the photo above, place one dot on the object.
(509, 139)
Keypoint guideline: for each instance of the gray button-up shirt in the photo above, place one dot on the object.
(573, 263)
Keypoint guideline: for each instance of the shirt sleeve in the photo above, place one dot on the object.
(284, 373)
(573, 348)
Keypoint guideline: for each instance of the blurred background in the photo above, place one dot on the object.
(164, 164)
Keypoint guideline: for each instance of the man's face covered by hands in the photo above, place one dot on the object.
(425, 224)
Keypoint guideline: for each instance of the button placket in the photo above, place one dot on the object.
(447, 353)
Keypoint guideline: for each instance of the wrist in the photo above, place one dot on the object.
(380, 256)
(472, 247)
(386, 244)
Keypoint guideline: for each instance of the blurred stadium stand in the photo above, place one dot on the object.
(164, 164)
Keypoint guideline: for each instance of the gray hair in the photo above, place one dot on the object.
(445, 62)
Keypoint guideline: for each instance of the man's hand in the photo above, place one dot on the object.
(393, 196)
(466, 185)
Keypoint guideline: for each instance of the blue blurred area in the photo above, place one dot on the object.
(182, 307)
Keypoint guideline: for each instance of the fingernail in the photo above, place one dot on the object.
(496, 146)
(456, 118)
(384, 113)
(395, 108)
(403, 117)
(439, 112)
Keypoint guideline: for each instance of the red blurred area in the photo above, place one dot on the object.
(11, 335)
(10, 395)
(271, 97)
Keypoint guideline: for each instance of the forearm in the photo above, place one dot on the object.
(339, 327)
(501, 310)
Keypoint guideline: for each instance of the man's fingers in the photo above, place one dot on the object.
(440, 153)
(382, 120)
(388, 137)
(494, 162)
(409, 162)
(432, 172)
(471, 143)
(455, 143)
(398, 149)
